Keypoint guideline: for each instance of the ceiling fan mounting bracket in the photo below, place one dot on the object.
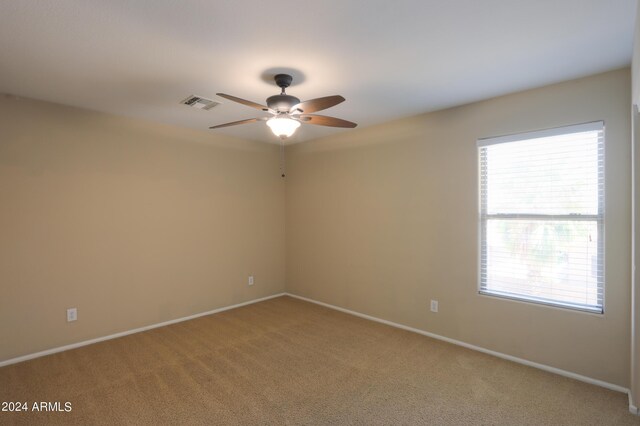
(283, 80)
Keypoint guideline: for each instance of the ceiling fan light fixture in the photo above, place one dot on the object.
(283, 126)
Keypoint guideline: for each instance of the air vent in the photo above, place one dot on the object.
(200, 102)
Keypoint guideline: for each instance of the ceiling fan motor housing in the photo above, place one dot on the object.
(282, 103)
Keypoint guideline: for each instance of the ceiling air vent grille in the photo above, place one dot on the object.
(200, 102)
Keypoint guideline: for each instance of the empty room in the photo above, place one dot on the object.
(344, 212)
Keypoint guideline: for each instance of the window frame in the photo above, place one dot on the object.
(599, 218)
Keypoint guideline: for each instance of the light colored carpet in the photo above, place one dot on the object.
(285, 361)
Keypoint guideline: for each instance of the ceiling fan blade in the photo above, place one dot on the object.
(235, 123)
(323, 120)
(243, 102)
(317, 104)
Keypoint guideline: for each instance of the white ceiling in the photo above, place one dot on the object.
(389, 59)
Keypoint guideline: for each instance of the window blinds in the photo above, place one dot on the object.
(542, 216)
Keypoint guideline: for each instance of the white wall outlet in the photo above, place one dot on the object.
(250, 279)
(72, 314)
(434, 306)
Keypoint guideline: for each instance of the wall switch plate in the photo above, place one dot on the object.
(72, 314)
(250, 279)
(434, 306)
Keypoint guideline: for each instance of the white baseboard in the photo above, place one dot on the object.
(126, 333)
(632, 408)
(550, 369)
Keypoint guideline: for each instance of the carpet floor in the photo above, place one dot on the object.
(289, 362)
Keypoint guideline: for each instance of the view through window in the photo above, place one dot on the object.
(542, 216)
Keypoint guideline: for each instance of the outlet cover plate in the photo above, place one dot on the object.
(72, 314)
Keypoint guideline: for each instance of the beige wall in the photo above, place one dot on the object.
(380, 220)
(133, 223)
(136, 223)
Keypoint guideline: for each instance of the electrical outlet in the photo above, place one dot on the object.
(72, 314)
(434, 306)
(250, 279)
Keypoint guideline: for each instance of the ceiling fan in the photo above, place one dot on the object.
(288, 112)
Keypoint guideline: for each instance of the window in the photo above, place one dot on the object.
(542, 216)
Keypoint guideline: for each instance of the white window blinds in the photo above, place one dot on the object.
(542, 216)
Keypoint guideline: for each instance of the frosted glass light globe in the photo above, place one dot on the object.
(283, 126)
